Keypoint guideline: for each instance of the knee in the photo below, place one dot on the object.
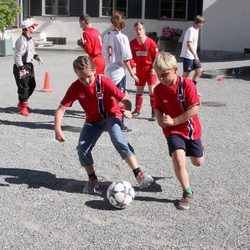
(198, 162)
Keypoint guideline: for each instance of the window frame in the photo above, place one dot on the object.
(173, 11)
(55, 14)
(113, 8)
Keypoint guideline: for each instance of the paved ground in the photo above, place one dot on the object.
(42, 206)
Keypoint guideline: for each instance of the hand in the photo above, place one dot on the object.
(39, 60)
(167, 121)
(196, 58)
(23, 73)
(79, 42)
(127, 114)
(135, 77)
(59, 136)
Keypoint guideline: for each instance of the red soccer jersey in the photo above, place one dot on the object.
(92, 42)
(144, 54)
(86, 95)
(167, 101)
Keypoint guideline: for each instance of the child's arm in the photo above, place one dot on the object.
(167, 121)
(185, 116)
(58, 122)
(159, 117)
(127, 103)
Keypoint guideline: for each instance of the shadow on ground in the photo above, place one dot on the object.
(38, 179)
(50, 112)
(39, 125)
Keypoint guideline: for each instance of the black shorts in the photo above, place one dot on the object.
(190, 65)
(122, 84)
(191, 147)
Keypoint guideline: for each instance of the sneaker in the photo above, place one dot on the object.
(185, 202)
(126, 129)
(24, 111)
(144, 180)
(91, 186)
(135, 113)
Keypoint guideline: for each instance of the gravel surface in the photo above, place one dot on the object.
(42, 206)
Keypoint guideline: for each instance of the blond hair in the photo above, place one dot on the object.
(164, 60)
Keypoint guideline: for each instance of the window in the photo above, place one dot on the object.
(56, 7)
(107, 7)
(173, 9)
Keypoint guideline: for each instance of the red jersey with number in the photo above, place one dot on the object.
(168, 101)
(87, 97)
(92, 42)
(144, 54)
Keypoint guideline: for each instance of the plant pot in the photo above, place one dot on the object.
(6, 48)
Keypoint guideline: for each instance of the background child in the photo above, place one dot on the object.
(176, 109)
(117, 53)
(98, 96)
(91, 42)
(144, 51)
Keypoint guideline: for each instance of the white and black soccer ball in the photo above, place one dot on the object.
(120, 194)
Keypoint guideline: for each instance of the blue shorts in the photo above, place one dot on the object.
(122, 84)
(92, 131)
(191, 147)
(190, 65)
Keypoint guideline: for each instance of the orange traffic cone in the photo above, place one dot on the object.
(46, 85)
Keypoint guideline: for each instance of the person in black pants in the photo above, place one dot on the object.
(23, 69)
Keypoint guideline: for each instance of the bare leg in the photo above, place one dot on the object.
(197, 74)
(179, 162)
(186, 74)
(132, 162)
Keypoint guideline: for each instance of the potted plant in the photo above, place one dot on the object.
(169, 39)
(170, 34)
(8, 13)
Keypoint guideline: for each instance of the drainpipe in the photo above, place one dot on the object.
(143, 9)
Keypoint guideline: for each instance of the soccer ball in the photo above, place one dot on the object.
(120, 194)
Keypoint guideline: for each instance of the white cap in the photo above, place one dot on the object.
(28, 23)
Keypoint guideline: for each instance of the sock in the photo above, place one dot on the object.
(152, 102)
(195, 82)
(136, 171)
(138, 102)
(188, 190)
(92, 176)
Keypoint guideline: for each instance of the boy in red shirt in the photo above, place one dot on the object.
(98, 96)
(176, 109)
(91, 42)
(144, 51)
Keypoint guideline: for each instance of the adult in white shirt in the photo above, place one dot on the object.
(189, 54)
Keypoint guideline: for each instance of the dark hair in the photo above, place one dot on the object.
(83, 62)
(117, 20)
(85, 18)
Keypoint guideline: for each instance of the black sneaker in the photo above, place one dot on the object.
(135, 113)
(126, 129)
(185, 202)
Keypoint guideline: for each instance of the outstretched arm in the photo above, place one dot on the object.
(58, 123)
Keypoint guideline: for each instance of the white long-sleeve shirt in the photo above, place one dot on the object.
(24, 50)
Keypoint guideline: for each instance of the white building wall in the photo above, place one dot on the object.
(69, 26)
(226, 27)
